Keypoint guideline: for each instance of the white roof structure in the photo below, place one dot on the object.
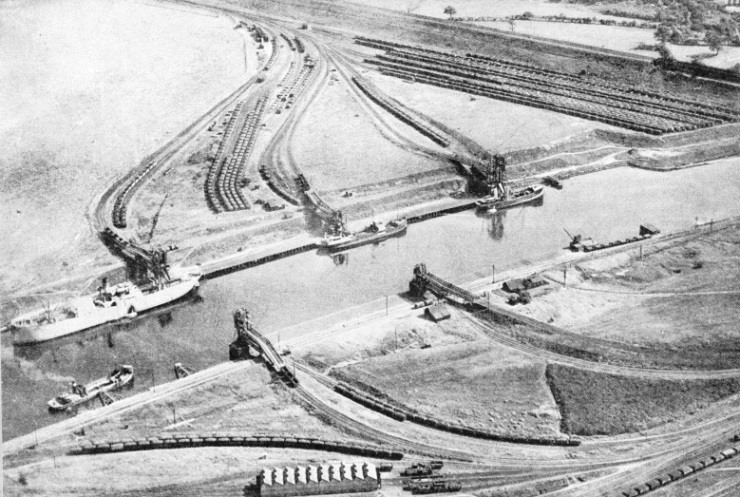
(336, 471)
(330, 473)
(372, 471)
(267, 476)
(312, 474)
(300, 474)
(279, 476)
(290, 476)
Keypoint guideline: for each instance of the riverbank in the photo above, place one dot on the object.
(388, 313)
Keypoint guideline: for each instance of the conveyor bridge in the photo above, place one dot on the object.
(247, 336)
(424, 280)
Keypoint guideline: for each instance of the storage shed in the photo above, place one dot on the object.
(336, 478)
(437, 312)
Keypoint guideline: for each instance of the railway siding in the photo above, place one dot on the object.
(679, 474)
(226, 175)
(407, 414)
(642, 111)
(193, 440)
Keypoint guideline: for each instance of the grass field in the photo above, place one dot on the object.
(602, 404)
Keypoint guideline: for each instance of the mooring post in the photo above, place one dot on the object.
(565, 275)
(493, 273)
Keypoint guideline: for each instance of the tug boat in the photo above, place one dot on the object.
(118, 378)
(510, 198)
(374, 233)
(108, 304)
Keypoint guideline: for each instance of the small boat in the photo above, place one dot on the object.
(110, 303)
(511, 198)
(118, 378)
(374, 233)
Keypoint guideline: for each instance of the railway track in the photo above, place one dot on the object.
(367, 432)
(123, 190)
(282, 168)
(640, 111)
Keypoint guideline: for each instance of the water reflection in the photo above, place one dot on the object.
(496, 228)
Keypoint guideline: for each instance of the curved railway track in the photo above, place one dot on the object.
(127, 186)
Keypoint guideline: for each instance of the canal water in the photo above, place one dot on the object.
(461, 247)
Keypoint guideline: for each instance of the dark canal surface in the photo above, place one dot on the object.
(461, 247)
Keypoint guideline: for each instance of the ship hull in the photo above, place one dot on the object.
(41, 333)
(485, 203)
(364, 240)
(95, 388)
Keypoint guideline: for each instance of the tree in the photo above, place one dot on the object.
(450, 11)
(714, 40)
(663, 33)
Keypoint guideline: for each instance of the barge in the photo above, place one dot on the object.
(374, 233)
(580, 244)
(117, 379)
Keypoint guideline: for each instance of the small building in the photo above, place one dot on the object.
(273, 206)
(648, 229)
(437, 312)
(534, 281)
(335, 478)
(513, 286)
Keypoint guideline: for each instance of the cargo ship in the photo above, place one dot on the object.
(118, 378)
(374, 233)
(500, 195)
(510, 198)
(108, 304)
